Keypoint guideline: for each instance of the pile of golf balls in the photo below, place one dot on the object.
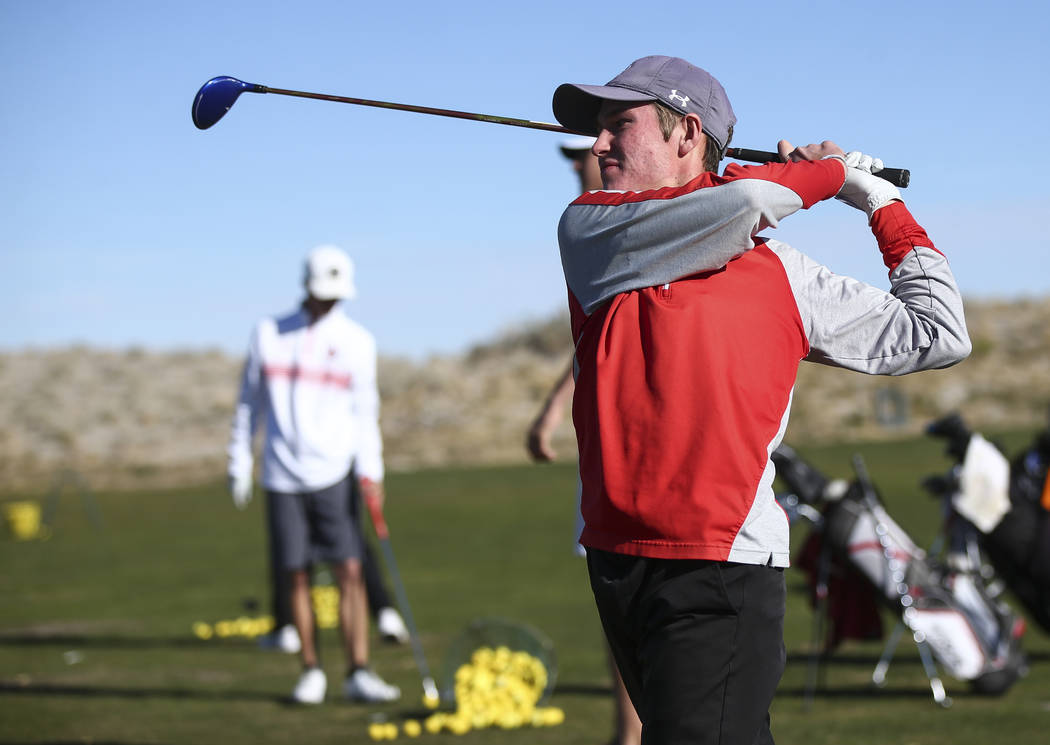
(325, 600)
(242, 626)
(495, 688)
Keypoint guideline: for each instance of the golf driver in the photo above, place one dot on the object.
(430, 690)
(218, 95)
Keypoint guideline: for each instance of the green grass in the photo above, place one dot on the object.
(469, 543)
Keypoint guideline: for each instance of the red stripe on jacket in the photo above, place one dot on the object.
(321, 377)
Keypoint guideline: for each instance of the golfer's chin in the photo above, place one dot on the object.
(614, 179)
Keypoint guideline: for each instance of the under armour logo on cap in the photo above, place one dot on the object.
(683, 101)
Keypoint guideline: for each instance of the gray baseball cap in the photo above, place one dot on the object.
(683, 87)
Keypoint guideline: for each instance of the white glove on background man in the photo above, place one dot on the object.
(862, 190)
(241, 490)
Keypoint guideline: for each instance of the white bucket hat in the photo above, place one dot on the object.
(329, 274)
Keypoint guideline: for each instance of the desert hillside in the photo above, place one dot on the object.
(137, 417)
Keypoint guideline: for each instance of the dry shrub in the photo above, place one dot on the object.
(135, 417)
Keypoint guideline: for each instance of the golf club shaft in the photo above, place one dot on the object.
(897, 176)
(510, 121)
(383, 534)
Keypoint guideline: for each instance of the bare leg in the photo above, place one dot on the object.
(628, 725)
(303, 615)
(353, 612)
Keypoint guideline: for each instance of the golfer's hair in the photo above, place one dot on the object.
(669, 119)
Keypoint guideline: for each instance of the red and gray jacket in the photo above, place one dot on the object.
(689, 329)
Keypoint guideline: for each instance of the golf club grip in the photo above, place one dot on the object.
(378, 521)
(899, 177)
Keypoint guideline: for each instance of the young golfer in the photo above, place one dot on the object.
(688, 329)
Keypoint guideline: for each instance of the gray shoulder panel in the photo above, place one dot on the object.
(609, 249)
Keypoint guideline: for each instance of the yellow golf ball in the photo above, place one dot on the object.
(553, 716)
(459, 725)
(412, 728)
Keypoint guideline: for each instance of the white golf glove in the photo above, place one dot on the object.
(241, 490)
(862, 190)
(866, 163)
(984, 485)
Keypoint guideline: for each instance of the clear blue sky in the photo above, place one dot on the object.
(121, 223)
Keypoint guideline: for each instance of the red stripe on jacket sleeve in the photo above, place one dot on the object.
(813, 180)
(898, 233)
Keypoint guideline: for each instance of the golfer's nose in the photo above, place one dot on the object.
(601, 143)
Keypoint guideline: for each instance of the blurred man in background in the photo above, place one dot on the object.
(538, 442)
(628, 728)
(311, 376)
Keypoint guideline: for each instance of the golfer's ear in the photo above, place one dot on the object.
(692, 134)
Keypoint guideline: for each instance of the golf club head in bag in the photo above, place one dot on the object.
(808, 487)
(953, 430)
(805, 481)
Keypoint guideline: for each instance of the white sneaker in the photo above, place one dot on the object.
(311, 686)
(284, 639)
(391, 626)
(365, 685)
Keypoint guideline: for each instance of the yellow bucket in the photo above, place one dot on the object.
(23, 519)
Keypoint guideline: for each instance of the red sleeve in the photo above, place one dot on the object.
(897, 233)
(812, 180)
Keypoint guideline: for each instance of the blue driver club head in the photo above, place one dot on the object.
(216, 97)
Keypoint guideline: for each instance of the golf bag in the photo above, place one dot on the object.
(944, 601)
(1015, 534)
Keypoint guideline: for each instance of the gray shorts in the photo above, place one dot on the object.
(313, 526)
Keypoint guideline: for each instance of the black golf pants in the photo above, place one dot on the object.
(699, 644)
